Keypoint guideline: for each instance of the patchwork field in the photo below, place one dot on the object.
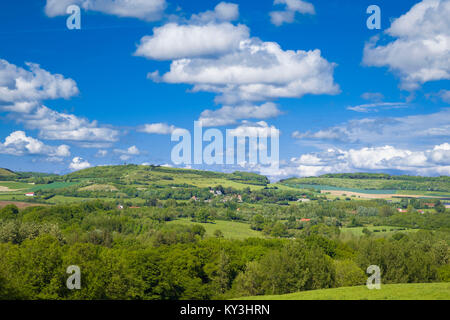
(425, 291)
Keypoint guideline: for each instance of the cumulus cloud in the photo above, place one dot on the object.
(157, 128)
(149, 10)
(421, 51)
(428, 162)
(79, 163)
(19, 144)
(174, 41)
(291, 8)
(222, 58)
(257, 71)
(22, 89)
(224, 11)
(22, 92)
(53, 125)
(228, 115)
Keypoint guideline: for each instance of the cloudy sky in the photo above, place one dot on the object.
(344, 98)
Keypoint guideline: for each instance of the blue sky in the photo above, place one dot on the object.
(112, 92)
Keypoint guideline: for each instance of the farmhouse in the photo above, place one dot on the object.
(29, 194)
(402, 210)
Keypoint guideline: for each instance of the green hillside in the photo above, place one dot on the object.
(165, 176)
(6, 173)
(426, 291)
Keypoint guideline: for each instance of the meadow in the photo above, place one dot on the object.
(229, 229)
(410, 291)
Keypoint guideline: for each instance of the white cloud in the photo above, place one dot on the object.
(18, 143)
(224, 11)
(421, 52)
(292, 7)
(157, 128)
(174, 41)
(21, 90)
(128, 153)
(53, 125)
(445, 95)
(429, 162)
(418, 130)
(79, 163)
(373, 96)
(251, 129)
(224, 59)
(102, 153)
(375, 107)
(149, 10)
(228, 115)
(257, 71)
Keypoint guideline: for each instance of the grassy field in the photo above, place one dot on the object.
(54, 185)
(425, 291)
(230, 229)
(15, 185)
(358, 230)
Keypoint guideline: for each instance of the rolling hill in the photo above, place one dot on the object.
(166, 176)
(6, 173)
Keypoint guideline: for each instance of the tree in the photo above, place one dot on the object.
(348, 274)
(10, 211)
(218, 234)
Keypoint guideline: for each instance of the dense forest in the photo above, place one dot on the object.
(135, 253)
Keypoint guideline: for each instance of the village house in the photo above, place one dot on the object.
(29, 194)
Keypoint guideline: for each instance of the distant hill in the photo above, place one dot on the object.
(368, 181)
(6, 173)
(165, 176)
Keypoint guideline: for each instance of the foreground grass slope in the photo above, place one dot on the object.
(414, 291)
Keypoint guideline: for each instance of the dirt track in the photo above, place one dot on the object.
(6, 189)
